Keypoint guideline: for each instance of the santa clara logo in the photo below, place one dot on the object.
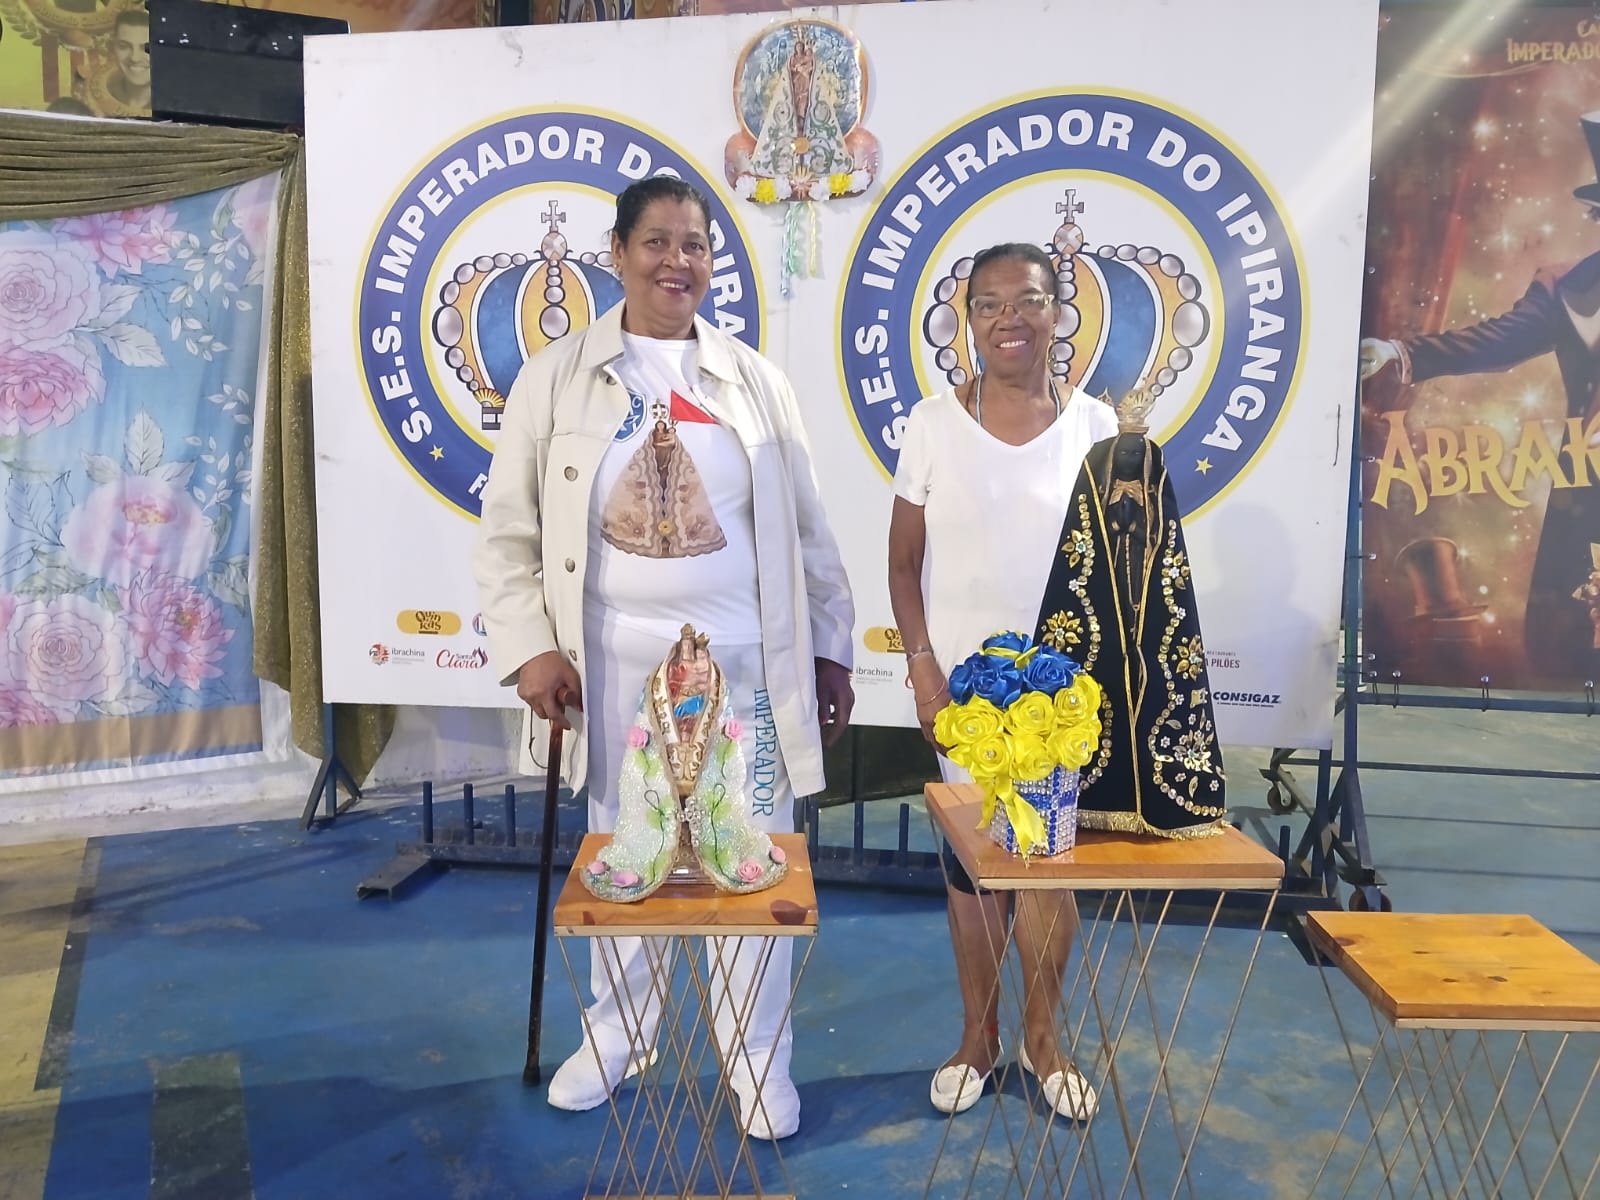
(1173, 263)
(458, 290)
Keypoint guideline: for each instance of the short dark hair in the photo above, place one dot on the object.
(1008, 252)
(639, 196)
(130, 16)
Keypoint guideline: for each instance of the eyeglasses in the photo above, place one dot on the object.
(1025, 305)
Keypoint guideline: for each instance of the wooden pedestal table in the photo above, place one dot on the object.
(1142, 1137)
(1486, 1048)
(669, 1133)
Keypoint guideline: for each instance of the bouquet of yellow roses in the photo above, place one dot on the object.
(1023, 719)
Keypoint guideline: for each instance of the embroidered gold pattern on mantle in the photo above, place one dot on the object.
(1120, 600)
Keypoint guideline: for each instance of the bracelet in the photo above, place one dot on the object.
(913, 655)
(944, 691)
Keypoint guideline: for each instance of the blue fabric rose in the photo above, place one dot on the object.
(960, 682)
(998, 682)
(1006, 640)
(1048, 671)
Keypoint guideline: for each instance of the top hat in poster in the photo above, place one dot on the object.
(1430, 564)
(1589, 193)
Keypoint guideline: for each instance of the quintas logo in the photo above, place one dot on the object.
(1173, 265)
(457, 292)
(453, 661)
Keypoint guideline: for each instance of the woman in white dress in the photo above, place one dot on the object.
(981, 491)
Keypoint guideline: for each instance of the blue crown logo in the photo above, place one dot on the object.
(1128, 313)
(497, 311)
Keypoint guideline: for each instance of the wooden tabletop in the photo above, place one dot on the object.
(1227, 862)
(1430, 970)
(788, 909)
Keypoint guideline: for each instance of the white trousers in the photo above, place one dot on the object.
(627, 994)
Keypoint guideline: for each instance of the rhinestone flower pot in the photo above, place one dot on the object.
(1055, 797)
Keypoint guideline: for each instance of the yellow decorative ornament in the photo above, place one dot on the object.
(991, 757)
(959, 725)
(766, 192)
(1033, 713)
(1030, 756)
(1078, 702)
(1073, 745)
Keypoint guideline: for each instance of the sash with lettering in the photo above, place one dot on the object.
(1121, 601)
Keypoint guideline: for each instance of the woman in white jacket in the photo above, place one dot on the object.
(651, 472)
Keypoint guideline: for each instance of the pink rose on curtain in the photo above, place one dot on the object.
(41, 388)
(65, 651)
(253, 206)
(137, 524)
(8, 608)
(19, 710)
(175, 629)
(125, 241)
(48, 288)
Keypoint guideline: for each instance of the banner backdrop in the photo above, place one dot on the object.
(1196, 218)
(1481, 418)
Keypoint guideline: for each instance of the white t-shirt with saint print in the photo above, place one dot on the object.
(672, 521)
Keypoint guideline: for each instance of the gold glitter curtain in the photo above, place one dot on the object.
(50, 168)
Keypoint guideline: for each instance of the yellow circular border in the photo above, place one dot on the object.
(1121, 181)
(1121, 94)
(729, 202)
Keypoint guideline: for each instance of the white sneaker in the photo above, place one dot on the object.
(1068, 1092)
(776, 1115)
(957, 1087)
(578, 1084)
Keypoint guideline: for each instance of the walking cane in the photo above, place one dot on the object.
(541, 928)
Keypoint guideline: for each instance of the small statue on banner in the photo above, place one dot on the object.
(684, 810)
(800, 90)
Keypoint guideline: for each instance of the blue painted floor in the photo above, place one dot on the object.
(374, 1048)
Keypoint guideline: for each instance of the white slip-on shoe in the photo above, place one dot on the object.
(956, 1088)
(1068, 1092)
(579, 1085)
(777, 1113)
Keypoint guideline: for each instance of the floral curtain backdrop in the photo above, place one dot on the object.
(129, 354)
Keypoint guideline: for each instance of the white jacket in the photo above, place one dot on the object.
(531, 555)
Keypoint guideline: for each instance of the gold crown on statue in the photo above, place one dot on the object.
(1133, 410)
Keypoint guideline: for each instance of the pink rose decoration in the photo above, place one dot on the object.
(48, 288)
(598, 867)
(734, 728)
(253, 206)
(638, 738)
(8, 605)
(749, 870)
(66, 651)
(175, 629)
(778, 855)
(625, 879)
(137, 524)
(125, 241)
(41, 388)
(18, 710)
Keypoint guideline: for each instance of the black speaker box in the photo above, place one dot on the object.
(221, 65)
